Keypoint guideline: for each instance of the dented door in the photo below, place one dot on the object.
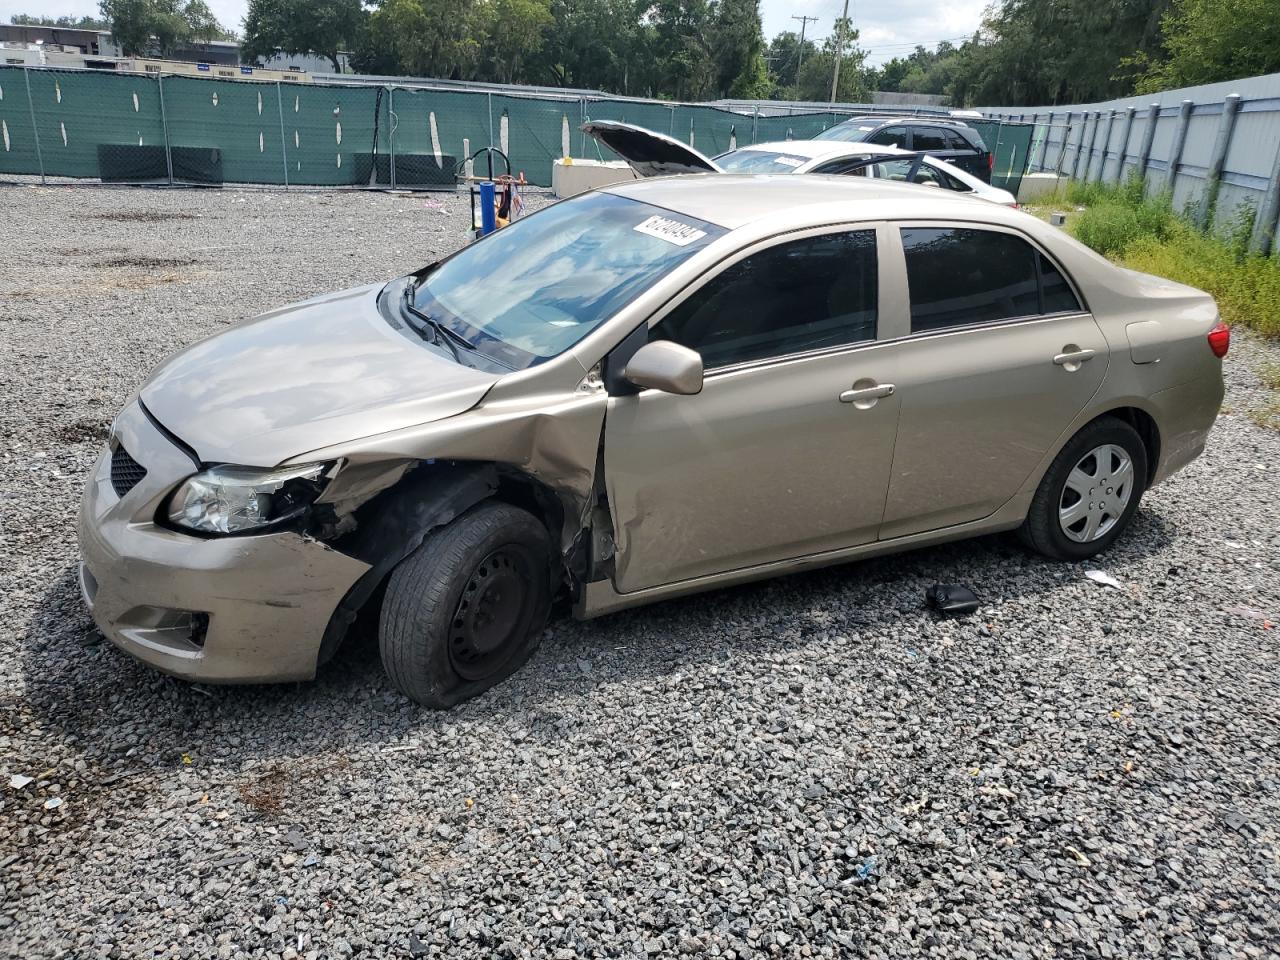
(765, 464)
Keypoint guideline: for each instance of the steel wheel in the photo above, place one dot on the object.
(1096, 493)
(492, 614)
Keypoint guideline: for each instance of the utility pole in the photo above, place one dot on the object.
(835, 76)
(804, 22)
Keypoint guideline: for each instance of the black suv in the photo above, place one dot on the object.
(949, 140)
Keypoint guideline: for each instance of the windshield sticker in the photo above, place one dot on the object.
(672, 231)
(789, 161)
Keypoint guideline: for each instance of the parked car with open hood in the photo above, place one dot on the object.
(655, 154)
(646, 391)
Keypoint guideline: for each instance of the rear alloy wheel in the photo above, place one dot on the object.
(466, 609)
(1089, 493)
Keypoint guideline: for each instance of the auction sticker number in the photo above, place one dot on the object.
(672, 231)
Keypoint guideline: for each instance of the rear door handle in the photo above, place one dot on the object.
(867, 393)
(1074, 356)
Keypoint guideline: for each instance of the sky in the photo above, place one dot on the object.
(888, 28)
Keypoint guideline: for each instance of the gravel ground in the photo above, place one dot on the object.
(810, 767)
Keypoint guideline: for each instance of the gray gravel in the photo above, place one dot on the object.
(810, 767)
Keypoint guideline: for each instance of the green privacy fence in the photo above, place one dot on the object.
(137, 127)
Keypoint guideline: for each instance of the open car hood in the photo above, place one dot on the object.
(648, 153)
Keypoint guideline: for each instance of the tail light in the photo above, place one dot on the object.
(991, 160)
(1220, 339)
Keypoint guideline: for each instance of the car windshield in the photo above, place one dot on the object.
(531, 290)
(759, 161)
(851, 131)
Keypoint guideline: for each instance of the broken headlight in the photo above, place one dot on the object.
(240, 499)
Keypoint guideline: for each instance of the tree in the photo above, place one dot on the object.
(515, 34)
(1210, 40)
(737, 49)
(70, 23)
(599, 44)
(322, 27)
(785, 58)
(1056, 51)
(427, 38)
(139, 26)
(682, 51)
(815, 75)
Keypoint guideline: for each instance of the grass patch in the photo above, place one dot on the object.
(1145, 233)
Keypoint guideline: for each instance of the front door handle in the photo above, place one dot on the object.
(861, 395)
(1075, 357)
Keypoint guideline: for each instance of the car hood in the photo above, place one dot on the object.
(327, 370)
(648, 153)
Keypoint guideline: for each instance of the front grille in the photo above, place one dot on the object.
(126, 472)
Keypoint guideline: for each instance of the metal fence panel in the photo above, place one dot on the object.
(18, 149)
(433, 131)
(529, 131)
(90, 126)
(224, 130)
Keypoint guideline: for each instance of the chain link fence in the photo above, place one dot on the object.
(153, 128)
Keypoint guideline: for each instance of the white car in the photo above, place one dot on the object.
(652, 154)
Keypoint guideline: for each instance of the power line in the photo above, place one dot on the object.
(804, 22)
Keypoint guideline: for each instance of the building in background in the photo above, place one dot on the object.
(67, 47)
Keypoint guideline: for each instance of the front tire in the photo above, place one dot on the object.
(466, 609)
(1089, 493)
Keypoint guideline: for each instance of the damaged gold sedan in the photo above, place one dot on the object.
(643, 392)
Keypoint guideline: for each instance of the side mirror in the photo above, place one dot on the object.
(666, 366)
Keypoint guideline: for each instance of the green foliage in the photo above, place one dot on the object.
(675, 49)
(1210, 40)
(71, 23)
(816, 74)
(786, 57)
(144, 27)
(1145, 234)
(924, 71)
(301, 26)
(737, 50)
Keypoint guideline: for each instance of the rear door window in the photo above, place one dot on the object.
(801, 295)
(928, 138)
(889, 137)
(959, 276)
(956, 141)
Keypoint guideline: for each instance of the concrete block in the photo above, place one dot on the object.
(1037, 185)
(569, 177)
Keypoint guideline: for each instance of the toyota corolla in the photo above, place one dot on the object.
(655, 389)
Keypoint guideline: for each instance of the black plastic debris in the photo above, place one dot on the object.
(951, 599)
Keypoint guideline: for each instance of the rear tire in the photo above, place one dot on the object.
(466, 609)
(1089, 493)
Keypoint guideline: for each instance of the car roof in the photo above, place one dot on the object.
(823, 149)
(735, 200)
(912, 118)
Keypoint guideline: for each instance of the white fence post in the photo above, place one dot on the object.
(1179, 141)
(1106, 142)
(1264, 224)
(1062, 147)
(1124, 143)
(1213, 176)
(1148, 138)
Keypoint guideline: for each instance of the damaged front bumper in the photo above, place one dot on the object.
(241, 609)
